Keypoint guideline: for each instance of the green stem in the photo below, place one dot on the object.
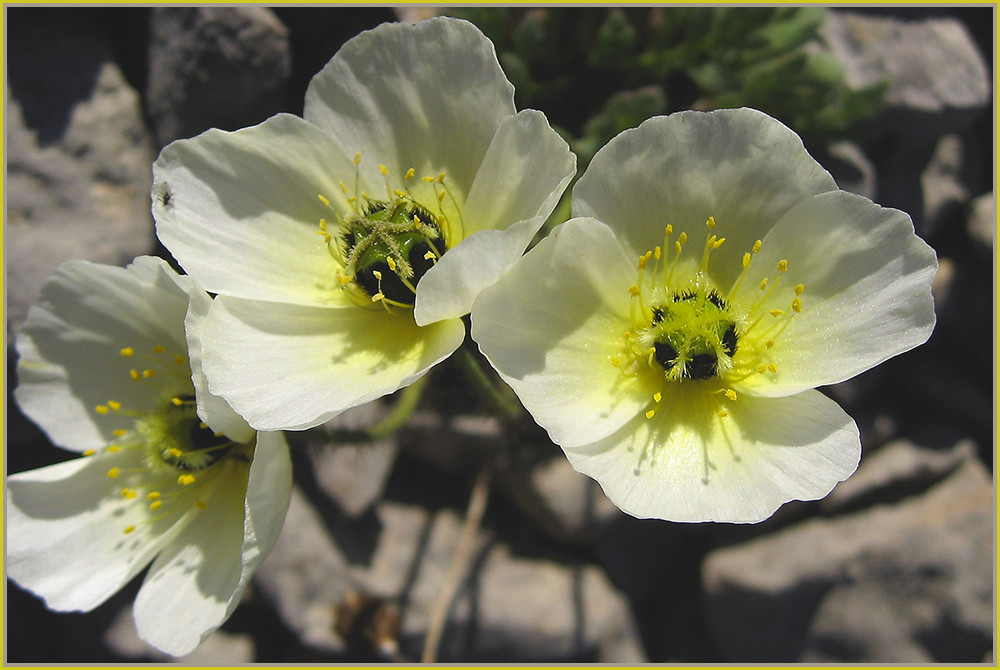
(501, 397)
(409, 398)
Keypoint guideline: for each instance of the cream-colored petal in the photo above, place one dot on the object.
(688, 464)
(739, 166)
(289, 367)
(243, 212)
(867, 296)
(69, 348)
(427, 97)
(552, 325)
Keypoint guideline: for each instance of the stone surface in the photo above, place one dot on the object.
(982, 223)
(942, 183)
(908, 582)
(215, 67)
(78, 159)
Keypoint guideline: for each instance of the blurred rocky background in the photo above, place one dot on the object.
(895, 566)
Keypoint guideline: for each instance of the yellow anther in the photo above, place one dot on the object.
(711, 222)
(101, 409)
(377, 297)
(90, 452)
(357, 158)
(777, 312)
(148, 373)
(657, 253)
(129, 529)
(383, 169)
(797, 305)
(657, 397)
(772, 367)
(633, 290)
(323, 199)
(677, 247)
(429, 256)
(119, 432)
(644, 259)
(763, 284)
(364, 196)
(440, 196)
(343, 186)
(129, 494)
(155, 505)
(440, 178)
(718, 243)
(761, 369)
(127, 351)
(391, 262)
(782, 265)
(201, 504)
(428, 179)
(114, 405)
(399, 194)
(409, 174)
(175, 452)
(345, 279)
(722, 413)
(377, 274)
(113, 472)
(650, 413)
(746, 260)
(152, 495)
(114, 449)
(176, 401)
(616, 362)
(185, 479)
(158, 349)
(134, 374)
(756, 246)
(202, 425)
(799, 288)
(682, 238)
(669, 230)
(730, 393)
(769, 344)
(180, 360)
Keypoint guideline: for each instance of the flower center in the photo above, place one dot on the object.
(384, 246)
(685, 329)
(163, 454)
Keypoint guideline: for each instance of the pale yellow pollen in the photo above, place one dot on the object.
(650, 413)
(153, 495)
(127, 351)
(711, 222)
(633, 290)
(777, 312)
(323, 199)
(799, 288)
(357, 158)
(391, 263)
(134, 374)
(113, 472)
(114, 405)
(201, 504)
(782, 265)
(763, 284)
(119, 432)
(756, 246)
(383, 169)
(797, 305)
(730, 393)
(409, 174)
(657, 397)
(155, 505)
(148, 373)
(129, 529)
(185, 479)
(158, 349)
(101, 409)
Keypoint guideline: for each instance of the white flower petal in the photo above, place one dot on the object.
(244, 211)
(289, 367)
(551, 326)
(867, 291)
(739, 166)
(523, 175)
(68, 347)
(427, 97)
(65, 532)
(766, 452)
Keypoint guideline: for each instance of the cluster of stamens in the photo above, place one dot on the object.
(687, 330)
(384, 246)
(160, 452)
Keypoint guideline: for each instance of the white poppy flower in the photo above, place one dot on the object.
(346, 246)
(671, 339)
(106, 371)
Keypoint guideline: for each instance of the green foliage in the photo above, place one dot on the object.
(598, 71)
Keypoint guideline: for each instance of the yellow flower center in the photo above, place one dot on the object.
(685, 329)
(385, 245)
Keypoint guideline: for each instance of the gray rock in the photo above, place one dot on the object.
(982, 222)
(910, 582)
(942, 183)
(78, 160)
(851, 168)
(221, 67)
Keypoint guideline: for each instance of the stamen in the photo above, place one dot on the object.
(127, 351)
(159, 349)
(114, 472)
